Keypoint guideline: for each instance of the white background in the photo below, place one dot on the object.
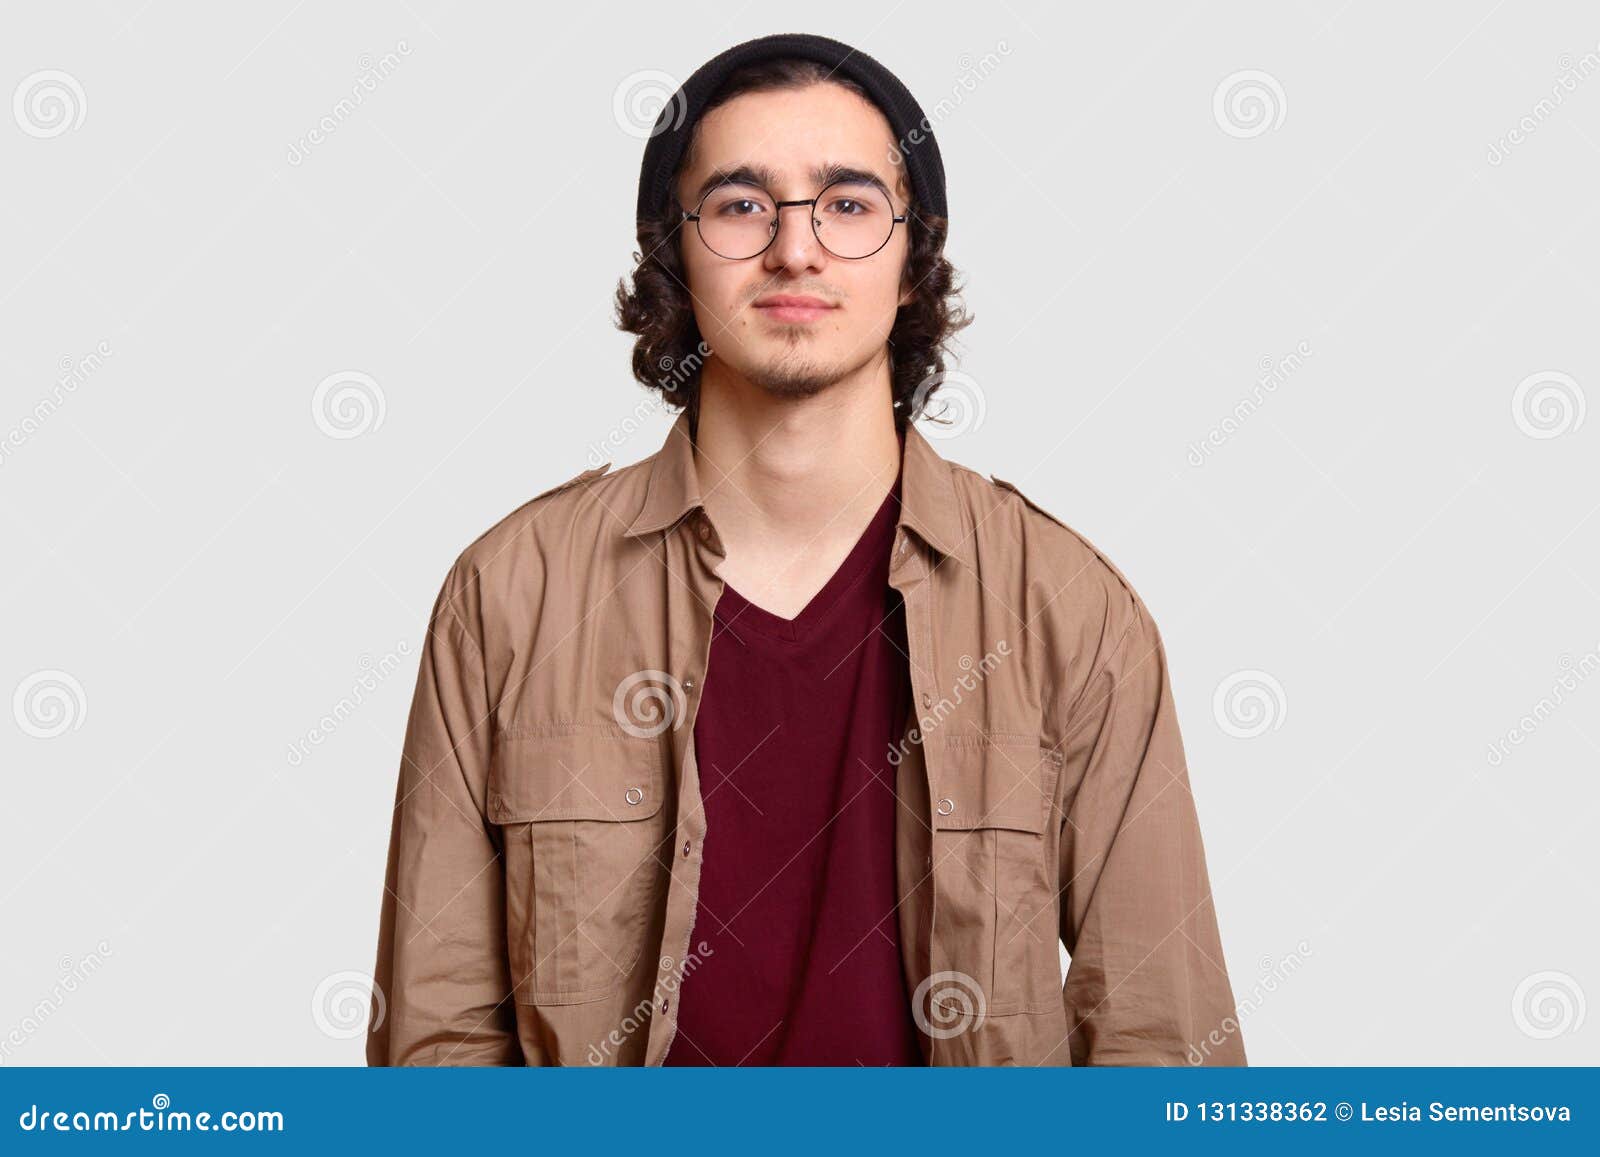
(1390, 535)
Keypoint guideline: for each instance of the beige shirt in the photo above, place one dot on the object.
(545, 855)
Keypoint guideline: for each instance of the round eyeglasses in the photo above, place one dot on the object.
(851, 219)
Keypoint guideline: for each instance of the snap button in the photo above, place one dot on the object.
(927, 699)
(686, 847)
(634, 795)
(946, 806)
(688, 684)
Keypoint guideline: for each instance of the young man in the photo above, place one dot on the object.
(794, 743)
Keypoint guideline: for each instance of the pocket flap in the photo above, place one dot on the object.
(569, 772)
(994, 782)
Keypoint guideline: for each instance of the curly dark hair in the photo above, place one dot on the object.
(670, 350)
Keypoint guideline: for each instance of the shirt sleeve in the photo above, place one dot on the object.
(442, 984)
(1147, 983)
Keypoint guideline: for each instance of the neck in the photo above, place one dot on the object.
(795, 469)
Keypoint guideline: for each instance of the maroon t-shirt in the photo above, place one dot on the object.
(797, 888)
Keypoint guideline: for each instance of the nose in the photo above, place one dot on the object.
(796, 247)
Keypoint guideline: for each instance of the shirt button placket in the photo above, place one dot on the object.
(688, 686)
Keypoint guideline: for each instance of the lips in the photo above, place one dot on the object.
(788, 307)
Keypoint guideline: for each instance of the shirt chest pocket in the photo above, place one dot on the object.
(585, 837)
(996, 924)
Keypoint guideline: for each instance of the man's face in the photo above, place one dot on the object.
(790, 136)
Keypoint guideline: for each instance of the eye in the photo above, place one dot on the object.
(853, 201)
(736, 204)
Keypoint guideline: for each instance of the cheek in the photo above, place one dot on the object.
(713, 288)
(876, 295)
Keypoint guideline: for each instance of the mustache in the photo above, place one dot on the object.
(799, 289)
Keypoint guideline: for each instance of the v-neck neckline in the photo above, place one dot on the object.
(737, 612)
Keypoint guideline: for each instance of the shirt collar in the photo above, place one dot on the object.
(927, 491)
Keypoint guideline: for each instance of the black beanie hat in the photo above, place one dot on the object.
(669, 137)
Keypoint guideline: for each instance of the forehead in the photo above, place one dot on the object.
(789, 131)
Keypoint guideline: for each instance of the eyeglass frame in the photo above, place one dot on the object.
(777, 216)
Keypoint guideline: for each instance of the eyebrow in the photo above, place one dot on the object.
(763, 177)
